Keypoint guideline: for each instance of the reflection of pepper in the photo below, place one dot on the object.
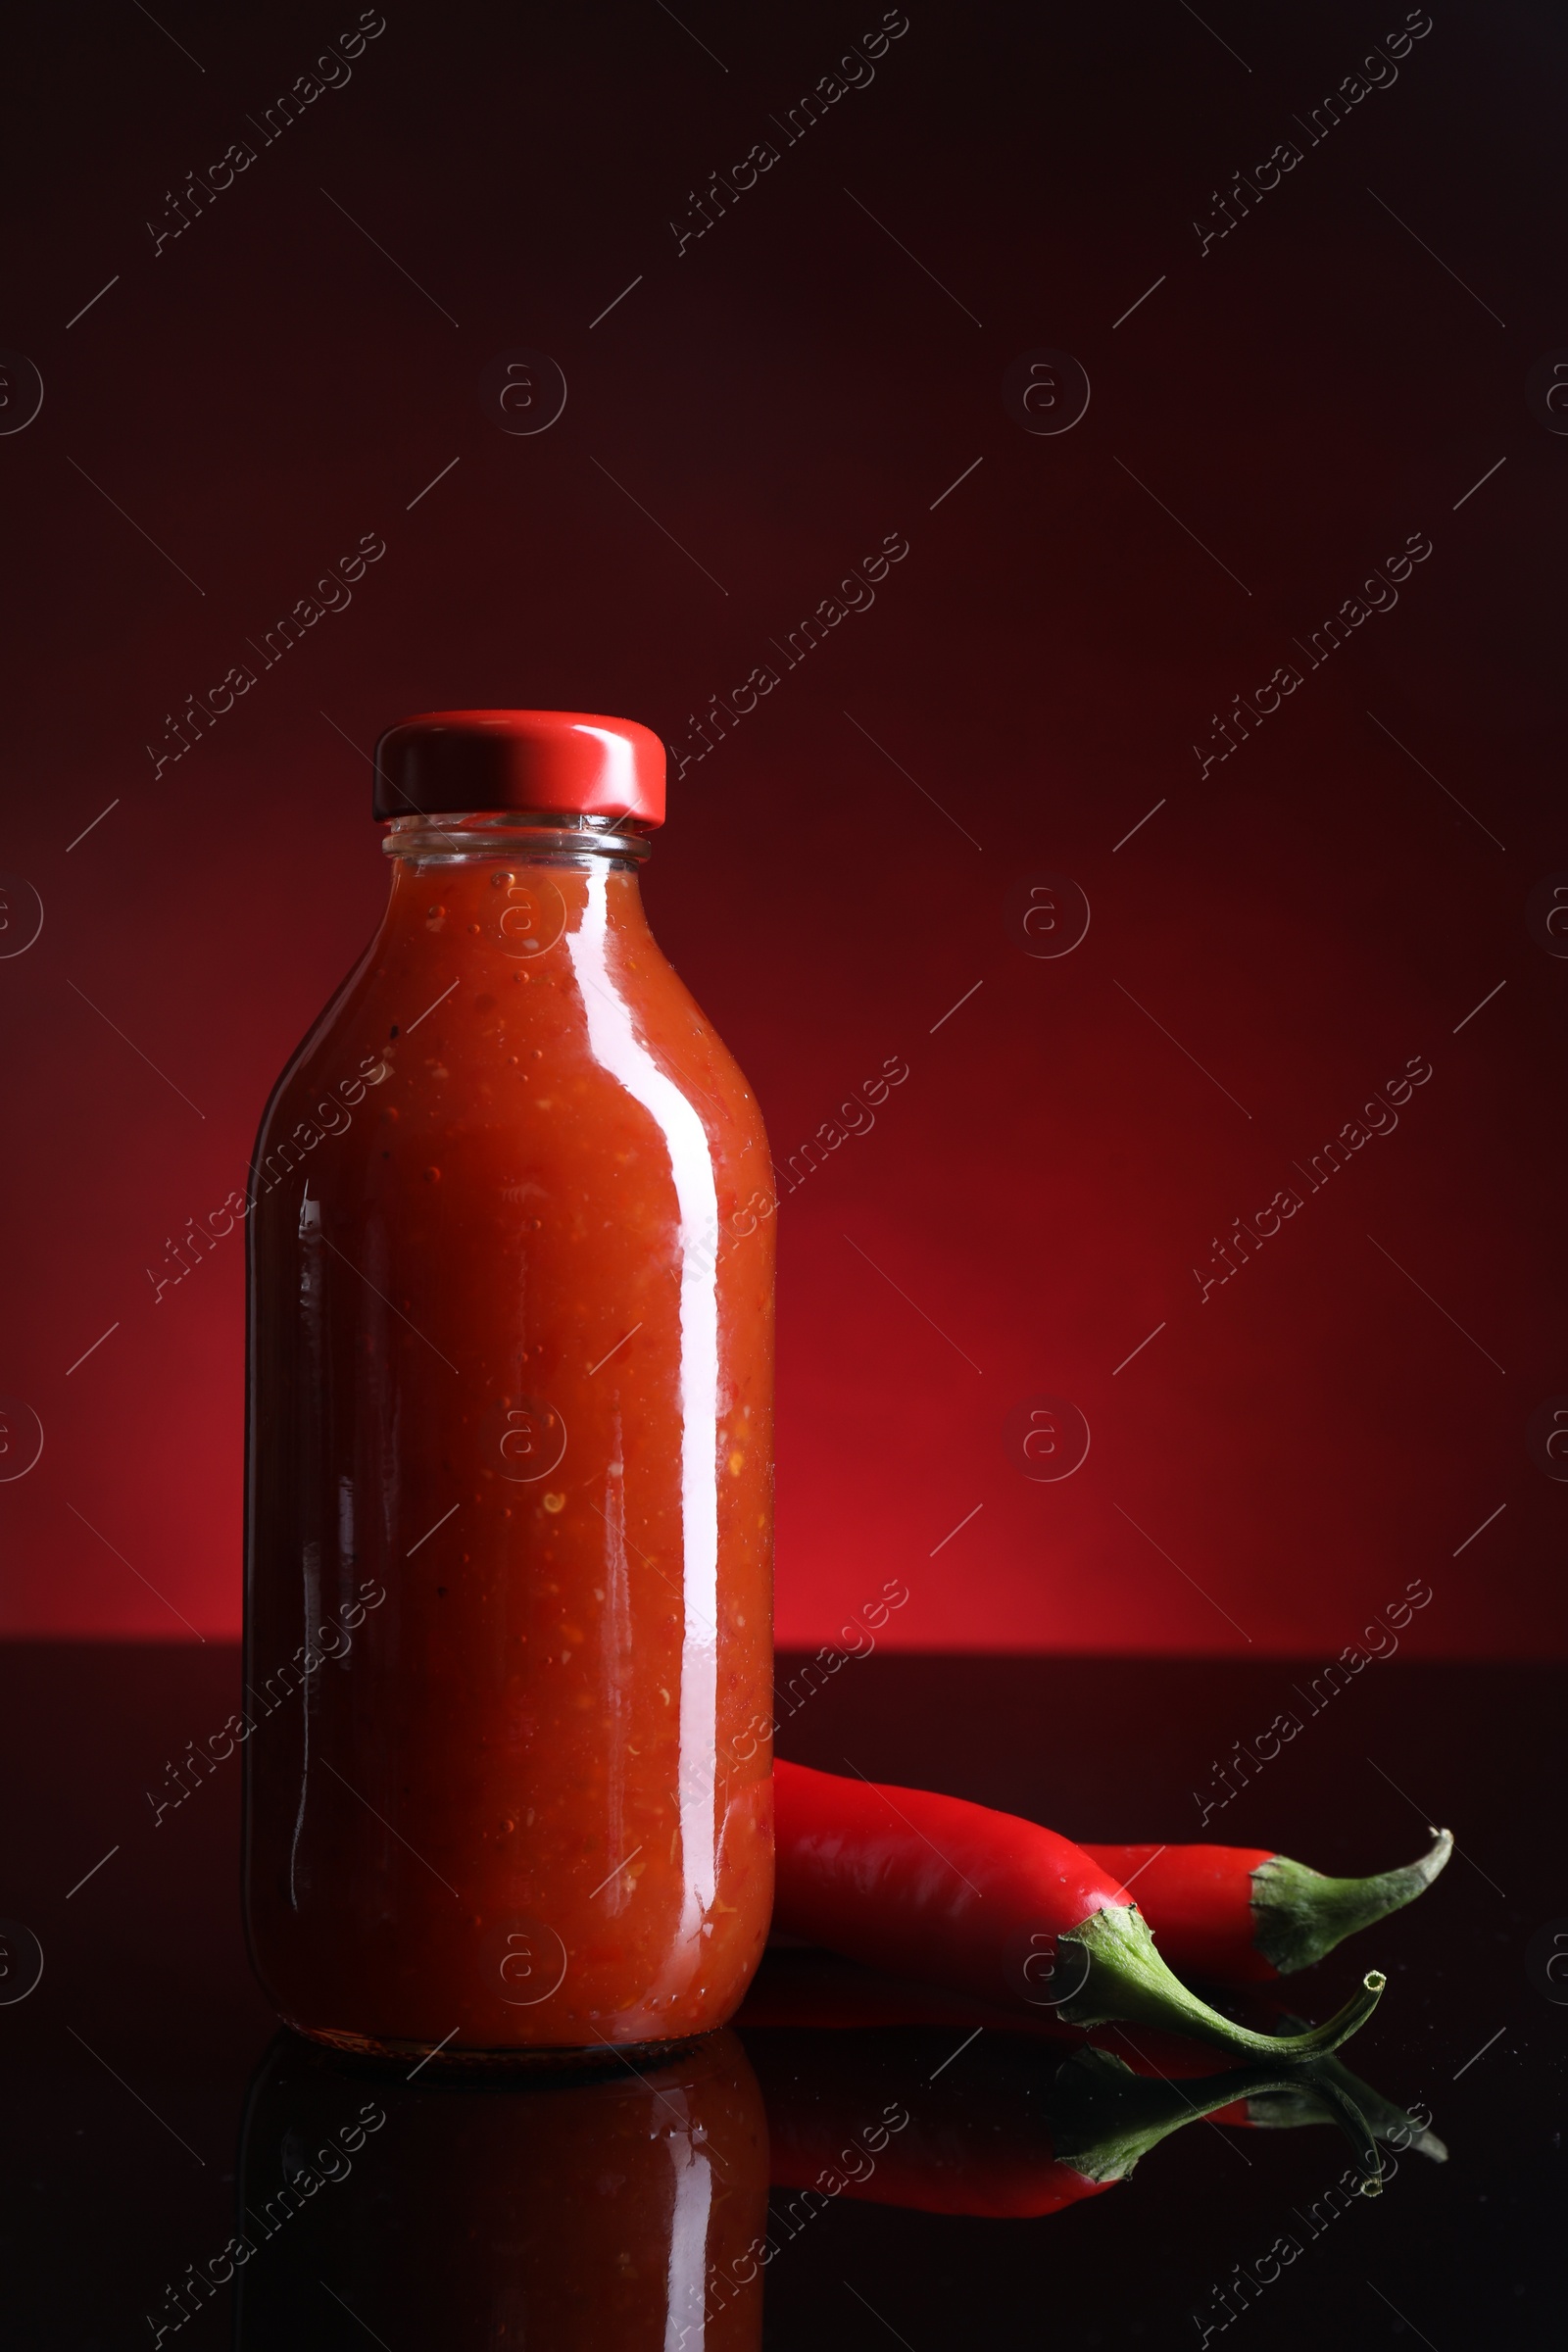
(932, 1887)
(1237, 1914)
(816, 1994)
(998, 2129)
(1285, 2105)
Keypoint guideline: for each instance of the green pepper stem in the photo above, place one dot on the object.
(1298, 1914)
(1126, 1977)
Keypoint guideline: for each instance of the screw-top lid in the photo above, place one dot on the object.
(574, 762)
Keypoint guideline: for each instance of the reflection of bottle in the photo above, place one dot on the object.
(481, 2216)
(510, 1511)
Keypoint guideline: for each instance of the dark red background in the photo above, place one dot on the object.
(779, 396)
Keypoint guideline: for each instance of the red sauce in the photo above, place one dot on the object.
(510, 1483)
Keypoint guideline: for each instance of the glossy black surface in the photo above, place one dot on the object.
(126, 2069)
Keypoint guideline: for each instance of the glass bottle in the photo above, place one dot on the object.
(508, 1515)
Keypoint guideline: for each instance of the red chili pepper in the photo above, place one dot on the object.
(934, 1887)
(1240, 1915)
(901, 2119)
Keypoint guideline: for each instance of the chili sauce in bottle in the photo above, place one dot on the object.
(509, 1493)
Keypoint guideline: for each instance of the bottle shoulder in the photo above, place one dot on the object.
(312, 1066)
(555, 1058)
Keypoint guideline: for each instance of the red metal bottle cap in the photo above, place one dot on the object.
(446, 761)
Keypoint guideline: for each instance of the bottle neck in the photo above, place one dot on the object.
(548, 837)
(516, 884)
